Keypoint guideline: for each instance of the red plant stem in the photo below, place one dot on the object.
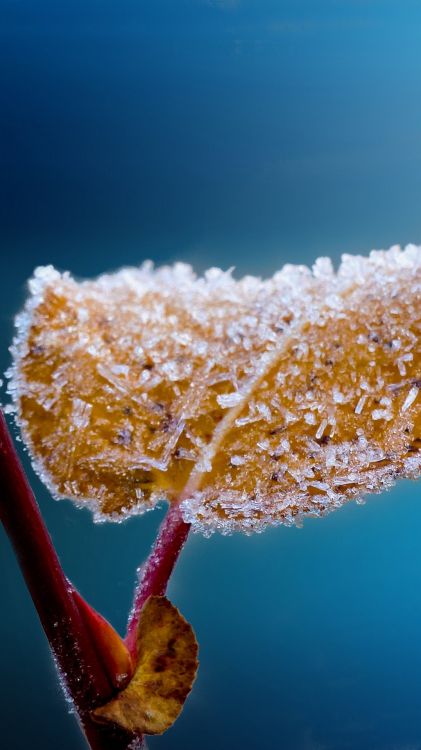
(156, 571)
(84, 676)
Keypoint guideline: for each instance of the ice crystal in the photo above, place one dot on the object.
(254, 402)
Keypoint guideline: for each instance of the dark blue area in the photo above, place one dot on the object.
(248, 133)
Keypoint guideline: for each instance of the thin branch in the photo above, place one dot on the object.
(78, 662)
(156, 571)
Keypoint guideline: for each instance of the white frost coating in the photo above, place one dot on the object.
(227, 400)
(238, 460)
(81, 413)
(381, 414)
(321, 429)
(360, 405)
(412, 395)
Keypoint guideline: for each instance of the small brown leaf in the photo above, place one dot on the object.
(164, 674)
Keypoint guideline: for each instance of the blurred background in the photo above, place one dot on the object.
(244, 133)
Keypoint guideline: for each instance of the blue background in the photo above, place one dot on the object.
(247, 133)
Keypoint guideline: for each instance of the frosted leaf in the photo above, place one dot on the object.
(254, 402)
(363, 440)
(116, 421)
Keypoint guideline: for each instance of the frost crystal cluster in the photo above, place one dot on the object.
(253, 402)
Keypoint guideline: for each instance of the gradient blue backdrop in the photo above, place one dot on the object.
(246, 133)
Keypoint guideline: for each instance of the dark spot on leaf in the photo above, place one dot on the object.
(323, 440)
(124, 437)
(37, 350)
(277, 430)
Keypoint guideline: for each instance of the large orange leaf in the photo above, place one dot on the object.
(254, 402)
